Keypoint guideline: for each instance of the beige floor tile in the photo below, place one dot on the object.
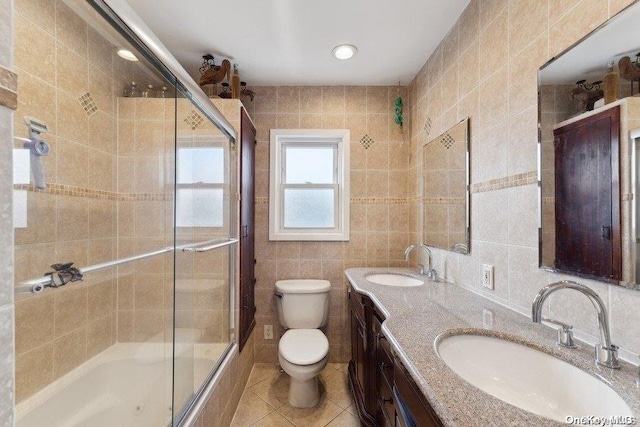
(353, 409)
(319, 416)
(251, 408)
(345, 419)
(337, 389)
(334, 366)
(262, 371)
(274, 419)
(274, 390)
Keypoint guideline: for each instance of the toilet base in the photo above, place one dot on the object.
(304, 394)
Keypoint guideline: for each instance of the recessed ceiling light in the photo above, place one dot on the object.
(127, 54)
(344, 51)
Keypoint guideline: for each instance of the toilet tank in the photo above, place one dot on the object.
(303, 303)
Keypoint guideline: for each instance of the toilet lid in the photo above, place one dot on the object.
(303, 346)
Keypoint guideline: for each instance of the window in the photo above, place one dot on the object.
(309, 185)
(200, 187)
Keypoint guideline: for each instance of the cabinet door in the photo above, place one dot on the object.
(587, 196)
(247, 225)
(360, 372)
(358, 346)
(383, 373)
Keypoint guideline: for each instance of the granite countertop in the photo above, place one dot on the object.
(416, 316)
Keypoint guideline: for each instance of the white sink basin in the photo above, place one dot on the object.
(390, 279)
(529, 379)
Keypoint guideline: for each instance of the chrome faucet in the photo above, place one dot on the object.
(431, 273)
(606, 354)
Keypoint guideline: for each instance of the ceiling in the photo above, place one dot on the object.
(289, 42)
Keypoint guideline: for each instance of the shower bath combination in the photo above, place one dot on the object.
(37, 149)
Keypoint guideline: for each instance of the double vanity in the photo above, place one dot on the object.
(431, 353)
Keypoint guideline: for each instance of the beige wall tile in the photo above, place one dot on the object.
(573, 26)
(616, 6)
(310, 100)
(27, 35)
(37, 99)
(71, 30)
(288, 99)
(99, 336)
(333, 101)
(355, 99)
(69, 351)
(41, 224)
(71, 309)
(71, 71)
(488, 10)
(100, 52)
(527, 20)
(72, 121)
(523, 75)
(72, 219)
(34, 370)
(493, 43)
(469, 24)
(34, 319)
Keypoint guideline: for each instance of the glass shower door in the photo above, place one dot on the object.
(204, 227)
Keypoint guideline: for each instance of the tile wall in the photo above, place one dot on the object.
(379, 217)
(223, 401)
(486, 69)
(8, 96)
(144, 217)
(75, 218)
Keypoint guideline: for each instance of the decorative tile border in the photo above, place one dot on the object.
(627, 197)
(73, 191)
(378, 200)
(548, 200)
(8, 88)
(359, 200)
(444, 200)
(506, 182)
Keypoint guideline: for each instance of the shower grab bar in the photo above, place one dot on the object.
(38, 285)
(214, 245)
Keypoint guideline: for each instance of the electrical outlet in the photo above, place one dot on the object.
(268, 332)
(487, 276)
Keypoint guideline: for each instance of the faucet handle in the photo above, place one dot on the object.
(433, 275)
(565, 333)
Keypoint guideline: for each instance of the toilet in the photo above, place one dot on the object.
(303, 350)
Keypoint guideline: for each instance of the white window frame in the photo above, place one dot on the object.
(282, 138)
(206, 142)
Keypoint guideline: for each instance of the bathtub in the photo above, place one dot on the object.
(127, 385)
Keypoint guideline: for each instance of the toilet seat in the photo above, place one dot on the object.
(303, 346)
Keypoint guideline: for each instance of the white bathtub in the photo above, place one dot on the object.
(127, 385)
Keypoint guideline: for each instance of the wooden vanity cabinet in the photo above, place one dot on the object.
(383, 375)
(374, 373)
(361, 363)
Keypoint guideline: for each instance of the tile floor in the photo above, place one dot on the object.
(264, 400)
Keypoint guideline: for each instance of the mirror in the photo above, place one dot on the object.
(571, 112)
(446, 189)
